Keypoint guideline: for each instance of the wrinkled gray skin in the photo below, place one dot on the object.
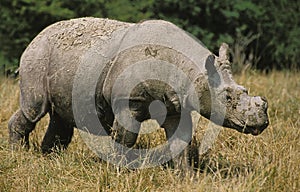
(49, 64)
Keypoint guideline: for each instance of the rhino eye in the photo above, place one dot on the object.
(228, 98)
(228, 89)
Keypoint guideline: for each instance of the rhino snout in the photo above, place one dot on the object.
(250, 116)
(257, 118)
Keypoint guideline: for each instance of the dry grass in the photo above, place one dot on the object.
(237, 162)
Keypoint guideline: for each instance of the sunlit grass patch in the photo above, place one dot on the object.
(236, 162)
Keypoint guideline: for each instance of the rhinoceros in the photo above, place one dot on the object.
(135, 71)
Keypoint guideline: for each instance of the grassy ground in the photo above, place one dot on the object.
(237, 162)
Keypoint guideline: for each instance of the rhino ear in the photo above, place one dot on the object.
(214, 79)
(224, 54)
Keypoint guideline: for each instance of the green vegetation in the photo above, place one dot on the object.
(264, 34)
(237, 162)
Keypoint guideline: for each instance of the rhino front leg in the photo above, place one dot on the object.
(58, 135)
(19, 129)
(124, 136)
(128, 120)
(178, 130)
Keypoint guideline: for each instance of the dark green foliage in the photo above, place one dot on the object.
(280, 28)
(21, 20)
(262, 33)
(267, 32)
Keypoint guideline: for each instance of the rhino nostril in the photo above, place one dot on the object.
(267, 122)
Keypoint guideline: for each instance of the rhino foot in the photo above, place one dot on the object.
(19, 129)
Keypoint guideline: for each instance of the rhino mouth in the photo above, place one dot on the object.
(242, 127)
(251, 130)
(254, 130)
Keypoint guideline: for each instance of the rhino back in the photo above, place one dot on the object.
(50, 62)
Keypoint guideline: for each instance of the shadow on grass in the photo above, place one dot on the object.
(216, 164)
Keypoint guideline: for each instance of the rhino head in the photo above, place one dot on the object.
(225, 102)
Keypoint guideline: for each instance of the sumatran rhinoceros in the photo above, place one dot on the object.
(123, 74)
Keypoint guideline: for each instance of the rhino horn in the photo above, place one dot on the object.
(224, 54)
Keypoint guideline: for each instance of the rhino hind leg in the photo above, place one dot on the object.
(19, 129)
(58, 135)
